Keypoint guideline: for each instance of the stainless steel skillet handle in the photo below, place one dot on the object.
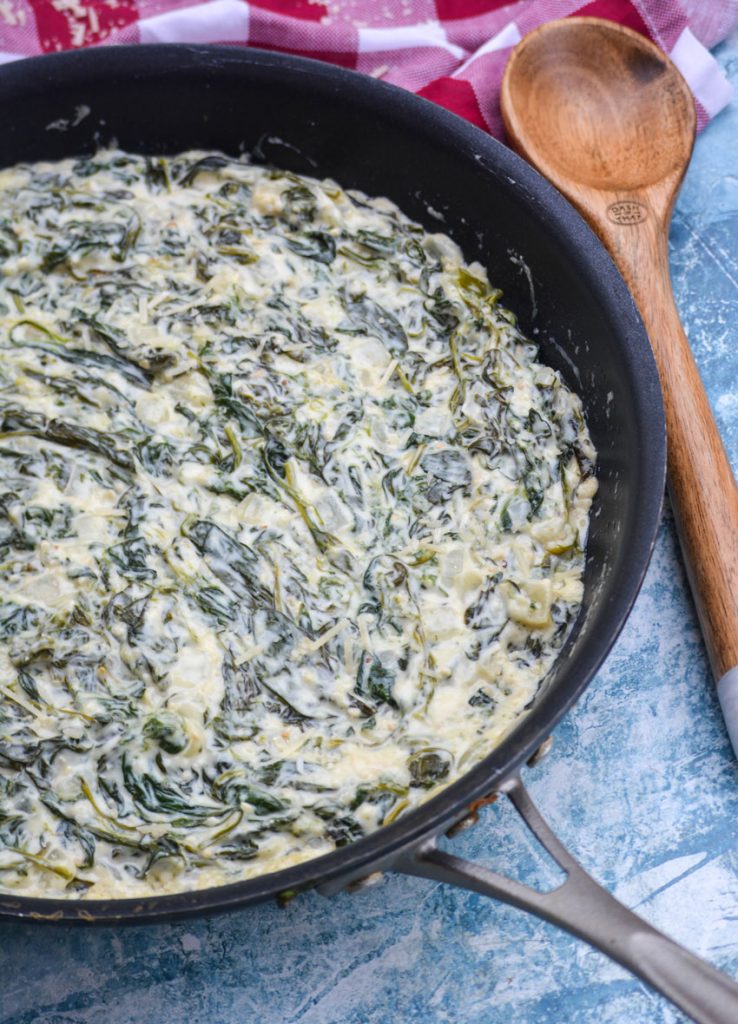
(581, 906)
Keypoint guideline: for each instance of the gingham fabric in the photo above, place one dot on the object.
(450, 51)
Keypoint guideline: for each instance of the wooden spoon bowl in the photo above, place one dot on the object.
(601, 107)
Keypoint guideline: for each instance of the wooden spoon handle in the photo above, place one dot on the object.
(701, 483)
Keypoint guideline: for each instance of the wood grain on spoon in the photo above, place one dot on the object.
(605, 116)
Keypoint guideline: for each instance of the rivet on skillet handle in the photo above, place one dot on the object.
(473, 817)
(585, 909)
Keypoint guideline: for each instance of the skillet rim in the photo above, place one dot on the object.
(589, 260)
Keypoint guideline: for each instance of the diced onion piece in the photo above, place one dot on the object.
(531, 604)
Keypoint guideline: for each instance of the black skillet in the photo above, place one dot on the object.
(316, 119)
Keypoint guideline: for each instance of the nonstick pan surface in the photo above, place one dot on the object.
(319, 120)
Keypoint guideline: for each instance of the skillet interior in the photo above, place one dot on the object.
(320, 120)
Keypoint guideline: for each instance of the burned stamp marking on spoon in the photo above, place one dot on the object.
(627, 211)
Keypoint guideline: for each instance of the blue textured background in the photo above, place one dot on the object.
(642, 786)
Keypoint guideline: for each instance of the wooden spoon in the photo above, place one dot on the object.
(608, 119)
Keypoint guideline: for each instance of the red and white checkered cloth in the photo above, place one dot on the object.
(450, 51)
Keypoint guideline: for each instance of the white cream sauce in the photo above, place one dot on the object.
(292, 521)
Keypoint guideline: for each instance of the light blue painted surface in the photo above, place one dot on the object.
(641, 785)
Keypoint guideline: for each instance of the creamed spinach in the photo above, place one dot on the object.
(291, 520)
